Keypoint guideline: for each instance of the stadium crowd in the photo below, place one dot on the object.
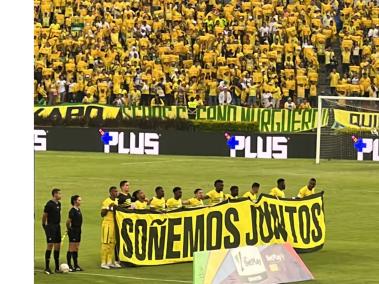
(256, 53)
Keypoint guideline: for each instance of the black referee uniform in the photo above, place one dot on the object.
(52, 231)
(53, 227)
(75, 231)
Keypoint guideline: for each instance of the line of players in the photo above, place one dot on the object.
(51, 217)
(139, 201)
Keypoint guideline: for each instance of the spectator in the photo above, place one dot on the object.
(334, 77)
(304, 104)
(198, 101)
(156, 101)
(290, 105)
(267, 100)
(61, 85)
(225, 97)
(198, 43)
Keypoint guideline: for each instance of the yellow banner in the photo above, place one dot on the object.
(78, 111)
(357, 120)
(268, 120)
(148, 238)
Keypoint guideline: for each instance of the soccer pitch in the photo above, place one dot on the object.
(350, 254)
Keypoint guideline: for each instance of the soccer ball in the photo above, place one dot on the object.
(64, 268)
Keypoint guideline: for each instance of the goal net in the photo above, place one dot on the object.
(352, 131)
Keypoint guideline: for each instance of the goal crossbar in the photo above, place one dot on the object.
(319, 117)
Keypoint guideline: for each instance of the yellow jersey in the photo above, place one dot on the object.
(172, 203)
(140, 205)
(250, 195)
(106, 203)
(158, 203)
(277, 192)
(194, 202)
(229, 196)
(304, 191)
(216, 197)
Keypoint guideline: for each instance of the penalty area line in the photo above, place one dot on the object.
(127, 277)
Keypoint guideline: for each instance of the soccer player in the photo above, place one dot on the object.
(253, 192)
(233, 193)
(74, 230)
(139, 199)
(216, 195)
(107, 229)
(307, 189)
(279, 190)
(51, 219)
(158, 202)
(196, 201)
(176, 201)
(124, 197)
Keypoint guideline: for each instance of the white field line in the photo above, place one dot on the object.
(128, 277)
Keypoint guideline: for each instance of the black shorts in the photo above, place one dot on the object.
(53, 233)
(74, 235)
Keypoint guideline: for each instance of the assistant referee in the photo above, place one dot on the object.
(74, 230)
(51, 219)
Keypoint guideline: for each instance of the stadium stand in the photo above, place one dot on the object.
(259, 53)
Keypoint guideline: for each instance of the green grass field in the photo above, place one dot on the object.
(350, 254)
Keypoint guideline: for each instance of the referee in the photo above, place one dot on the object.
(51, 219)
(74, 230)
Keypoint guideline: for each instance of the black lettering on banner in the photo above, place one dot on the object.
(252, 240)
(156, 243)
(354, 119)
(292, 210)
(74, 112)
(172, 237)
(128, 246)
(316, 211)
(279, 225)
(96, 109)
(55, 114)
(140, 239)
(305, 236)
(191, 242)
(37, 112)
(217, 216)
(231, 228)
(265, 216)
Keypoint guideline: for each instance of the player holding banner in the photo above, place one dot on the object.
(108, 229)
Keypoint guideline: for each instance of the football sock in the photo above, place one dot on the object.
(75, 258)
(47, 258)
(69, 258)
(56, 259)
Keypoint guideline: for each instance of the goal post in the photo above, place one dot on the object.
(348, 117)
